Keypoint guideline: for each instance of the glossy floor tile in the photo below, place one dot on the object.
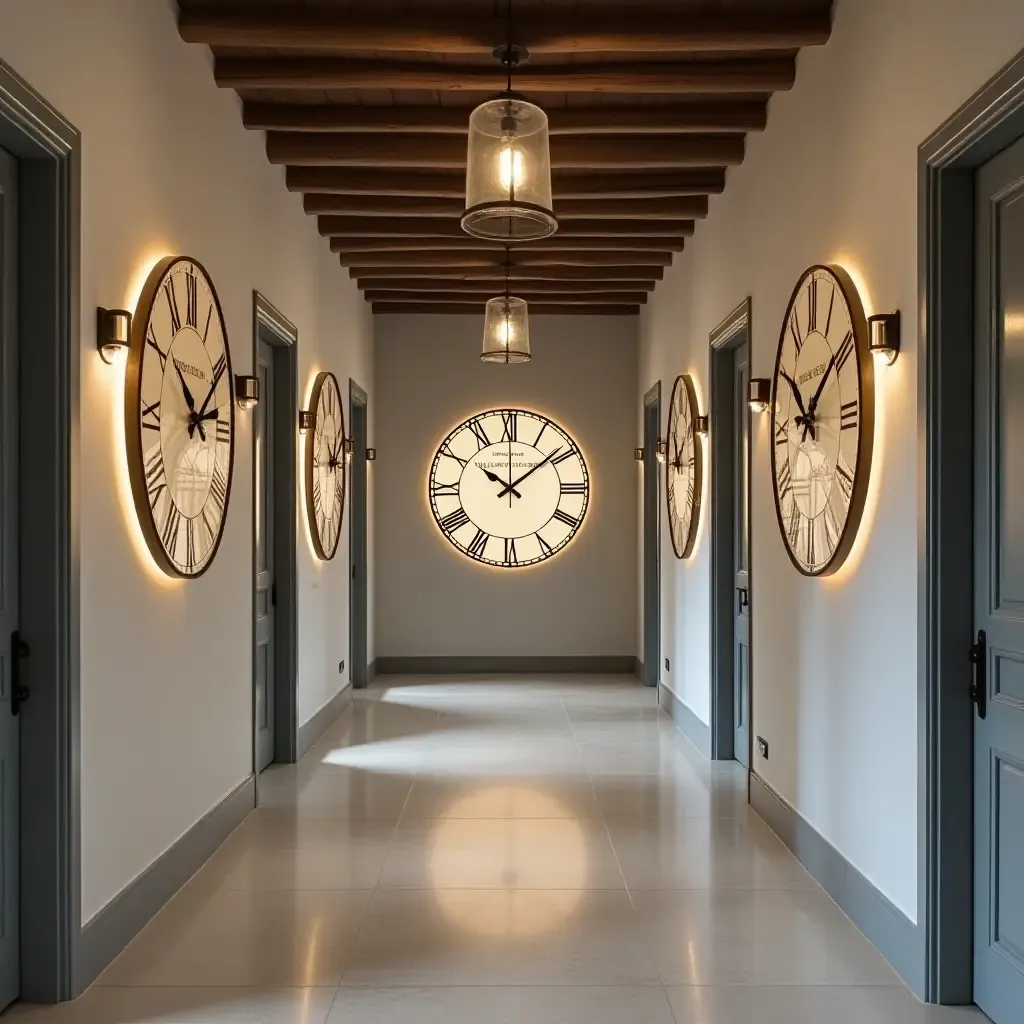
(497, 850)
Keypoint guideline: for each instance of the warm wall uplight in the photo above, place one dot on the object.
(349, 448)
(371, 454)
(306, 420)
(638, 454)
(661, 449)
(884, 332)
(701, 425)
(759, 394)
(113, 334)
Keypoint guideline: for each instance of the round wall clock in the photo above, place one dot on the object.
(180, 416)
(823, 420)
(684, 467)
(325, 466)
(509, 488)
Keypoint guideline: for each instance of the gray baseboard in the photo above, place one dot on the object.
(638, 669)
(457, 665)
(108, 933)
(888, 929)
(312, 730)
(372, 671)
(689, 724)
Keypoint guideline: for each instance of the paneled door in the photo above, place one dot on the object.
(999, 591)
(263, 677)
(11, 649)
(741, 555)
(652, 538)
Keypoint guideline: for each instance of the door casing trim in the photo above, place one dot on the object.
(651, 623)
(359, 674)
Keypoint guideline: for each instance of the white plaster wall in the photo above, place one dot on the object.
(166, 667)
(432, 600)
(833, 179)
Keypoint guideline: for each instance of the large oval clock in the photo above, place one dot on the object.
(684, 467)
(823, 420)
(179, 416)
(325, 466)
(509, 487)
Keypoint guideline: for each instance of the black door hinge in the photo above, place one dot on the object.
(19, 692)
(979, 687)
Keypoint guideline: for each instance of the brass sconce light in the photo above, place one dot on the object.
(371, 454)
(307, 420)
(113, 334)
(759, 394)
(638, 454)
(247, 391)
(350, 447)
(700, 424)
(662, 449)
(885, 335)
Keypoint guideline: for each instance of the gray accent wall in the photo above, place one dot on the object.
(433, 601)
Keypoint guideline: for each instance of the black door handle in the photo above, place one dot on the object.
(979, 659)
(19, 693)
(744, 597)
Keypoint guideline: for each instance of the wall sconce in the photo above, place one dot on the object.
(662, 450)
(759, 394)
(638, 454)
(247, 391)
(371, 454)
(350, 448)
(113, 334)
(885, 335)
(306, 420)
(700, 424)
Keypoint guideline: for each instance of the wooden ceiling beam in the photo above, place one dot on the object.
(659, 208)
(452, 184)
(568, 296)
(351, 247)
(735, 75)
(544, 32)
(524, 286)
(708, 116)
(561, 272)
(446, 152)
(437, 227)
(477, 308)
(483, 258)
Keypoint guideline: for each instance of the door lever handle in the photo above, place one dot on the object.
(744, 597)
(19, 692)
(979, 687)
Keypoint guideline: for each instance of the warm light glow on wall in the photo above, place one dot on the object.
(137, 279)
(300, 440)
(852, 267)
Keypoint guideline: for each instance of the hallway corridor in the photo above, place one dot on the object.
(501, 852)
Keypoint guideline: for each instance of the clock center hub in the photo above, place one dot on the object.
(511, 515)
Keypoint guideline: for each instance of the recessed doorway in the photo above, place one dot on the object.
(652, 538)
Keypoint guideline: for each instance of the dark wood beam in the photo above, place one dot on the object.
(659, 208)
(561, 272)
(483, 258)
(446, 152)
(476, 31)
(437, 227)
(452, 184)
(568, 296)
(532, 286)
(478, 308)
(351, 246)
(738, 75)
(707, 116)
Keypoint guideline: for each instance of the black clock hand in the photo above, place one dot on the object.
(821, 386)
(803, 419)
(189, 401)
(495, 479)
(516, 483)
(213, 387)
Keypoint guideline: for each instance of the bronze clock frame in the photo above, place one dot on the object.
(133, 422)
(324, 378)
(684, 383)
(866, 418)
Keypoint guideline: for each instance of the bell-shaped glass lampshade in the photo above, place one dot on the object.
(508, 173)
(506, 331)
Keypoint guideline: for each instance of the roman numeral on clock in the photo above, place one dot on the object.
(191, 301)
(454, 520)
(223, 431)
(794, 330)
(564, 517)
(812, 305)
(848, 417)
(218, 490)
(445, 490)
(544, 545)
(479, 543)
(169, 533)
(574, 488)
(155, 345)
(446, 451)
(220, 366)
(565, 455)
(782, 432)
(844, 479)
(845, 350)
(172, 305)
(510, 426)
(156, 478)
(153, 412)
(793, 532)
(482, 440)
(510, 551)
(190, 543)
(785, 479)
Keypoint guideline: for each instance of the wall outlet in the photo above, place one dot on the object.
(668, 665)
(341, 666)
(762, 745)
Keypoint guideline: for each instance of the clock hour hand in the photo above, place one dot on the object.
(495, 479)
(812, 408)
(516, 483)
(213, 387)
(193, 421)
(803, 420)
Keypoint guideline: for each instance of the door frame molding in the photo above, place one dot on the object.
(991, 120)
(49, 538)
(359, 674)
(732, 332)
(270, 324)
(652, 672)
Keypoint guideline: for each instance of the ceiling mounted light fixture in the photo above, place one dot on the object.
(508, 164)
(506, 327)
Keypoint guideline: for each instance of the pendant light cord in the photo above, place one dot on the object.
(508, 52)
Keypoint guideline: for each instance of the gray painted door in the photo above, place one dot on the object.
(357, 548)
(10, 962)
(652, 553)
(999, 591)
(741, 556)
(265, 590)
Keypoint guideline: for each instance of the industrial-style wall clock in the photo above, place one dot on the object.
(684, 467)
(325, 466)
(823, 420)
(509, 487)
(179, 416)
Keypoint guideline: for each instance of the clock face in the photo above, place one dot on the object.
(325, 466)
(822, 421)
(684, 467)
(509, 488)
(179, 416)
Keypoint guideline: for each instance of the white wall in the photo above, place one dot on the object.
(166, 666)
(833, 179)
(432, 600)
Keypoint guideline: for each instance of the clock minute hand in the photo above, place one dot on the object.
(516, 483)
(213, 388)
(495, 479)
(821, 386)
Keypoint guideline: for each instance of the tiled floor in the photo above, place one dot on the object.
(531, 851)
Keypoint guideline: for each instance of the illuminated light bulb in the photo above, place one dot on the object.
(511, 167)
(506, 331)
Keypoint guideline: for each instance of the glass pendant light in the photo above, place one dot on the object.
(506, 328)
(508, 165)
